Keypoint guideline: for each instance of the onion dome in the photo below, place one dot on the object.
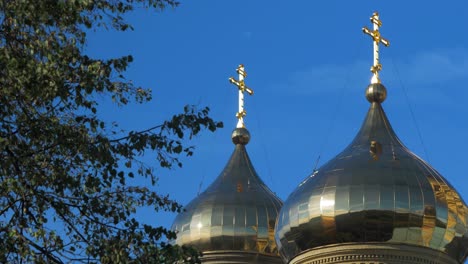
(375, 192)
(233, 220)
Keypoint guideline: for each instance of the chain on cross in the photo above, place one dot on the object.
(377, 39)
(242, 88)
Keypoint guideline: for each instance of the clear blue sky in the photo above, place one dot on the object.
(308, 63)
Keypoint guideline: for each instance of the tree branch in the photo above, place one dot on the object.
(135, 134)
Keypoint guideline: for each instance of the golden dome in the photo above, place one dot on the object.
(376, 190)
(237, 212)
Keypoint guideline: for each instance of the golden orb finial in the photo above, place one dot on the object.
(240, 136)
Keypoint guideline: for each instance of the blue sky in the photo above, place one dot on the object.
(308, 63)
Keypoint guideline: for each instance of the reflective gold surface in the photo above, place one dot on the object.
(236, 212)
(376, 190)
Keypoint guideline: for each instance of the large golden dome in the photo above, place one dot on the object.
(376, 190)
(236, 213)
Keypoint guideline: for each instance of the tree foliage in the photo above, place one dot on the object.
(66, 188)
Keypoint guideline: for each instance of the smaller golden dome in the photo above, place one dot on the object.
(237, 212)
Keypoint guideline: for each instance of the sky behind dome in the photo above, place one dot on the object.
(308, 63)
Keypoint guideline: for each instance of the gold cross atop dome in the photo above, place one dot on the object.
(377, 39)
(242, 88)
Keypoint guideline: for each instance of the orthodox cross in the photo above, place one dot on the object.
(242, 88)
(377, 39)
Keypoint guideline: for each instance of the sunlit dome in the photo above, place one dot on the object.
(233, 220)
(375, 195)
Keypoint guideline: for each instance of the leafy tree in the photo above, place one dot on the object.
(66, 192)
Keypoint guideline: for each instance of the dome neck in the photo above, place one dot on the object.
(376, 128)
(238, 175)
